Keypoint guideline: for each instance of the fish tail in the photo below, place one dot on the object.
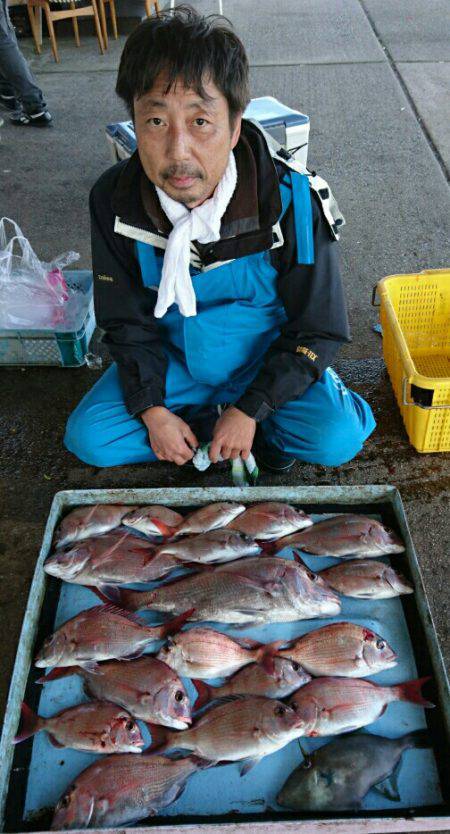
(58, 672)
(29, 724)
(161, 738)
(174, 625)
(412, 691)
(266, 655)
(204, 694)
(298, 558)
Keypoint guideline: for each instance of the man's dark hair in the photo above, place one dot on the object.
(188, 47)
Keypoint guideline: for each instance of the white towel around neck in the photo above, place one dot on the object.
(201, 223)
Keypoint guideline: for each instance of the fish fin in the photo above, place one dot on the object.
(29, 724)
(305, 754)
(106, 593)
(112, 608)
(198, 566)
(383, 788)
(178, 790)
(133, 656)
(160, 737)
(163, 528)
(260, 585)
(248, 643)
(58, 672)
(266, 655)
(91, 666)
(175, 624)
(298, 558)
(411, 691)
(54, 741)
(248, 623)
(226, 699)
(202, 764)
(249, 763)
(204, 694)
(388, 787)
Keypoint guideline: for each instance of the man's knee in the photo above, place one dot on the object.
(82, 439)
(343, 436)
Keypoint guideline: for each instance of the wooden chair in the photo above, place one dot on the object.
(51, 15)
(102, 12)
(148, 7)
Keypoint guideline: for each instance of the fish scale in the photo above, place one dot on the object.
(241, 727)
(101, 633)
(257, 590)
(122, 789)
(330, 705)
(338, 775)
(342, 648)
(206, 653)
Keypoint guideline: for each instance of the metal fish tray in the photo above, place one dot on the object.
(218, 801)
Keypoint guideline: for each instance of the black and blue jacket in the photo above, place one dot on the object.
(287, 217)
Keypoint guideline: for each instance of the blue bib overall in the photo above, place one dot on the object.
(214, 356)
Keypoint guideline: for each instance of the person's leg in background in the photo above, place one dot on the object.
(19, 92)
(329, 424)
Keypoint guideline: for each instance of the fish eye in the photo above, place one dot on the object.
(312, 576)
(295, 666)
(280, 710)
(179, 695)
(307, 763)
(381, 644)
(130, 725)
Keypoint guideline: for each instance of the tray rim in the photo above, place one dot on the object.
(179, 496)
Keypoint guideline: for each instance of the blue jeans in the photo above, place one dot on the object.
(327, 425)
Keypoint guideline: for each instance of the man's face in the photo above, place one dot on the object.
(184, 141)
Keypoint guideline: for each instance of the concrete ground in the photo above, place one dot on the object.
(372, 76)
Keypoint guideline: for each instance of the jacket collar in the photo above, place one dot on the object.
(253, 209)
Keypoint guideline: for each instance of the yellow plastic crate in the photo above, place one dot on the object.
(415, 318)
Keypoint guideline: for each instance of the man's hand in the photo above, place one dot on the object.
(170, 437)
(233, 435)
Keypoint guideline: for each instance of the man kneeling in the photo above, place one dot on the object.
(216, 275)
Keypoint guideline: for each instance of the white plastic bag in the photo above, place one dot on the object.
(33, 294)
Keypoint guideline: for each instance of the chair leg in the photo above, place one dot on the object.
(98, 27)
(112, 6)
(51, 32)
(103, 23)
(34, 28)
(76, 31)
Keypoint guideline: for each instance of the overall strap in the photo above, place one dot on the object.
(294, 188)
(330, 208)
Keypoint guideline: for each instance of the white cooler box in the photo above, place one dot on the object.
(289, 127)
